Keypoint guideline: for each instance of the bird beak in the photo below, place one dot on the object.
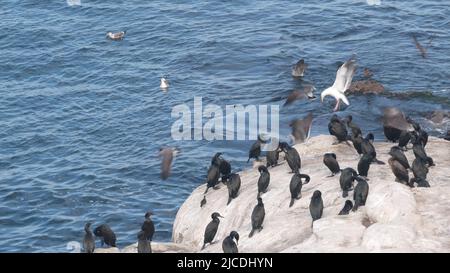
(221, 216)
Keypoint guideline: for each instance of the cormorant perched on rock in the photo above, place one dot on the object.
(272, 157)
(233, 185)
(347, 207)
(229, 245)
(264, 179)
(357, 143)
(355, 128)
(368, 148)
(106, 234)
(144, 245)
(419, 151)
(404, 139)
(212, 178)
(316, 206)
(360, 193)
(88, 240)
(397, 153)
(255, 149)
(296, 186)
(337, 128)
(400, 172)
(148, 227)
(258, 215)
(211, 229)
(419, 169)
(346, 180)
(203, 202)
(329, 159)
(364, 165)
(292, 157)
(394, 122)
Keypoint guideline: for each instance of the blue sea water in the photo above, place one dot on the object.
(82, 117)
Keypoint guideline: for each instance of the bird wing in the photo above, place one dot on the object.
(295, 95)
(344, 76)
(307, 121)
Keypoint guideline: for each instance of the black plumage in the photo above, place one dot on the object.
(400, 172)
(292, 157)
(397, 153)
(258, 215)
(272, 158)
(295, 186)
(419, 169)
(233, 185)
(144, 245)
(347, 207)
(316, 205)
(329, 159)
(337, 128)
(357, 143)
(264, 180)
(88, 239)
(346, 180)
(211, 229)
(364, 165)
(106, 234)
(353, 127)
(360, 193)
(419, 150)
(368, 148)
(148, 227)
(404, 139)
(212, 177)
(228, 244)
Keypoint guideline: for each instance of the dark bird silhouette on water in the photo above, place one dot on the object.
(346, 180)
(301, 128)
(203, 202)
(167, 154)
(148, 227)
(299, 68)
(212, 178)
(400, 172)
(144, 245)
(233, 185)
(397, 153)
(292, 157)
(88, 240)
(305, 93)
(264, 180)
(364, 165)
(329, 159)
(368, 148)
(422, 49)
(211, 229)
(419, 150)
(360, 193)
(258, 215)
(316, 206)
(337, 128)
(106, 234)
(347, 207)
(229, 245)
(296, 186)
(255, 149)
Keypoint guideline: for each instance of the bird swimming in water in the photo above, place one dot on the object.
(148, 227)
(258, 215)
(329, 159)
(346, 180)
(233, 185)
(264, 180)
(212, 177)
(360, 193)
(400, 172)
(164, 83)
(255, 149)
(228, 244)
(422, 49)
(299, 68)
(347, 207)
(337, 128)
(397, 153)
(296, 186)
(301, 128)
(88, 240)
(306, 93)
(117, 36)
(343, 80)
(316, 206)
(292, 157)
(364, 165)
(167, 154)
(144, 245)
(368, 148)
(106, 234)
(203, 202)
(211, 229)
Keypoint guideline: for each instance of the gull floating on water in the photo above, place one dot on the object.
(116, 36)
(343, 80)
(164, 83)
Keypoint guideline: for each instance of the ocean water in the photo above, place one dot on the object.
(82, 117)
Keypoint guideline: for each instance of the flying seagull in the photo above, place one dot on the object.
(343, 80)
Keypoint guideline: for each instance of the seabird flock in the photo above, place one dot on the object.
(397, 128)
